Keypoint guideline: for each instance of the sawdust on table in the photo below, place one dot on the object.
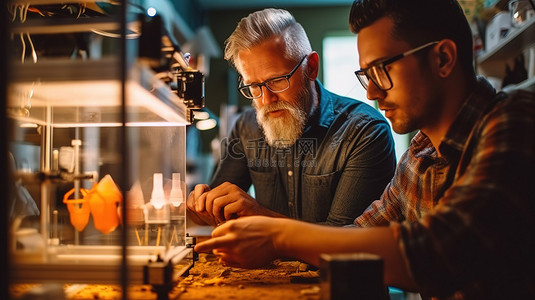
(208, 279)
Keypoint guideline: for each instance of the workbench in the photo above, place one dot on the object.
(208, 279)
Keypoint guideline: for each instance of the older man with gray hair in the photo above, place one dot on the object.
(310, 154)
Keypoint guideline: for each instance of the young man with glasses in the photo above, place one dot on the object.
(310, 154)
(458, 219)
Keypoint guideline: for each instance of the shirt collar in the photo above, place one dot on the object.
(324, 114)
(457, 135)
(471, 111)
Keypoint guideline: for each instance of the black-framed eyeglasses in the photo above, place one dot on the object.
(378, 73)
(275, 85)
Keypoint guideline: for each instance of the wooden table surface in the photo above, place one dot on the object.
(208, 279)
(280, 280)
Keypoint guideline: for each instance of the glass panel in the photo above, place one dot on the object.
(93, 175)
(66, 150)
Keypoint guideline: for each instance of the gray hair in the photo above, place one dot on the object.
(263, 25)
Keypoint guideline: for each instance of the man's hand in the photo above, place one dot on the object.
(196, 199)
(225, 202)
(253, 242)
(245, 243)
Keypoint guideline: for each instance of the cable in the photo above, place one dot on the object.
(23, 12)
(13, 12)
(23, 47)
(34, 54)
(130, 36)
(81, 10)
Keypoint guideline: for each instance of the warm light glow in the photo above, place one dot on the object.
(206, 124)
(28, 125)
(158, 203)
(176, 197)
(151, 11)
(97, 103)
(201, 115)
(118, 124)
(157, 198)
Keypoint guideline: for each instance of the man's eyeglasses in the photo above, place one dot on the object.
(275, 85)
(377, 72)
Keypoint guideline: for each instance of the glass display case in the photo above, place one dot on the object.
(96, 150)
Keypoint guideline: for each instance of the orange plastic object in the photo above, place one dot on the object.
(78, 209)
(104, 199)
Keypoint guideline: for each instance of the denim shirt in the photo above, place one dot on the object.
(340, 164)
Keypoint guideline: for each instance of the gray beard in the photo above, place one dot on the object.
(283, 132)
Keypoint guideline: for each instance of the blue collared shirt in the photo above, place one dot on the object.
(341, 163)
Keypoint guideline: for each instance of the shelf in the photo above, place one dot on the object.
(88, 94)
(493, 63)
(528, 84)
(42, 26)
(511, 45)
(96, 264)
(52, 2)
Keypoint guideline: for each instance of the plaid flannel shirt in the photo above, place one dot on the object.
(465, 221)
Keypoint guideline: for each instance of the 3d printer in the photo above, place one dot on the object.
(98, 120)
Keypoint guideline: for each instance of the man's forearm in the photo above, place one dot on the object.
(290, 241)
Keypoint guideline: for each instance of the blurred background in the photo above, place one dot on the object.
(212, 21)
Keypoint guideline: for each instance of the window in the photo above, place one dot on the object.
(340, 60)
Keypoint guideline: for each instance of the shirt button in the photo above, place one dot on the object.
(290, 173)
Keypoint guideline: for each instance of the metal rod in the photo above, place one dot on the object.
(124, 147)
(76, 145)
(55, 232)
(6, 180)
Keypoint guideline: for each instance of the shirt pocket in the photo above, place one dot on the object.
(318, 193)
(265, 187)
